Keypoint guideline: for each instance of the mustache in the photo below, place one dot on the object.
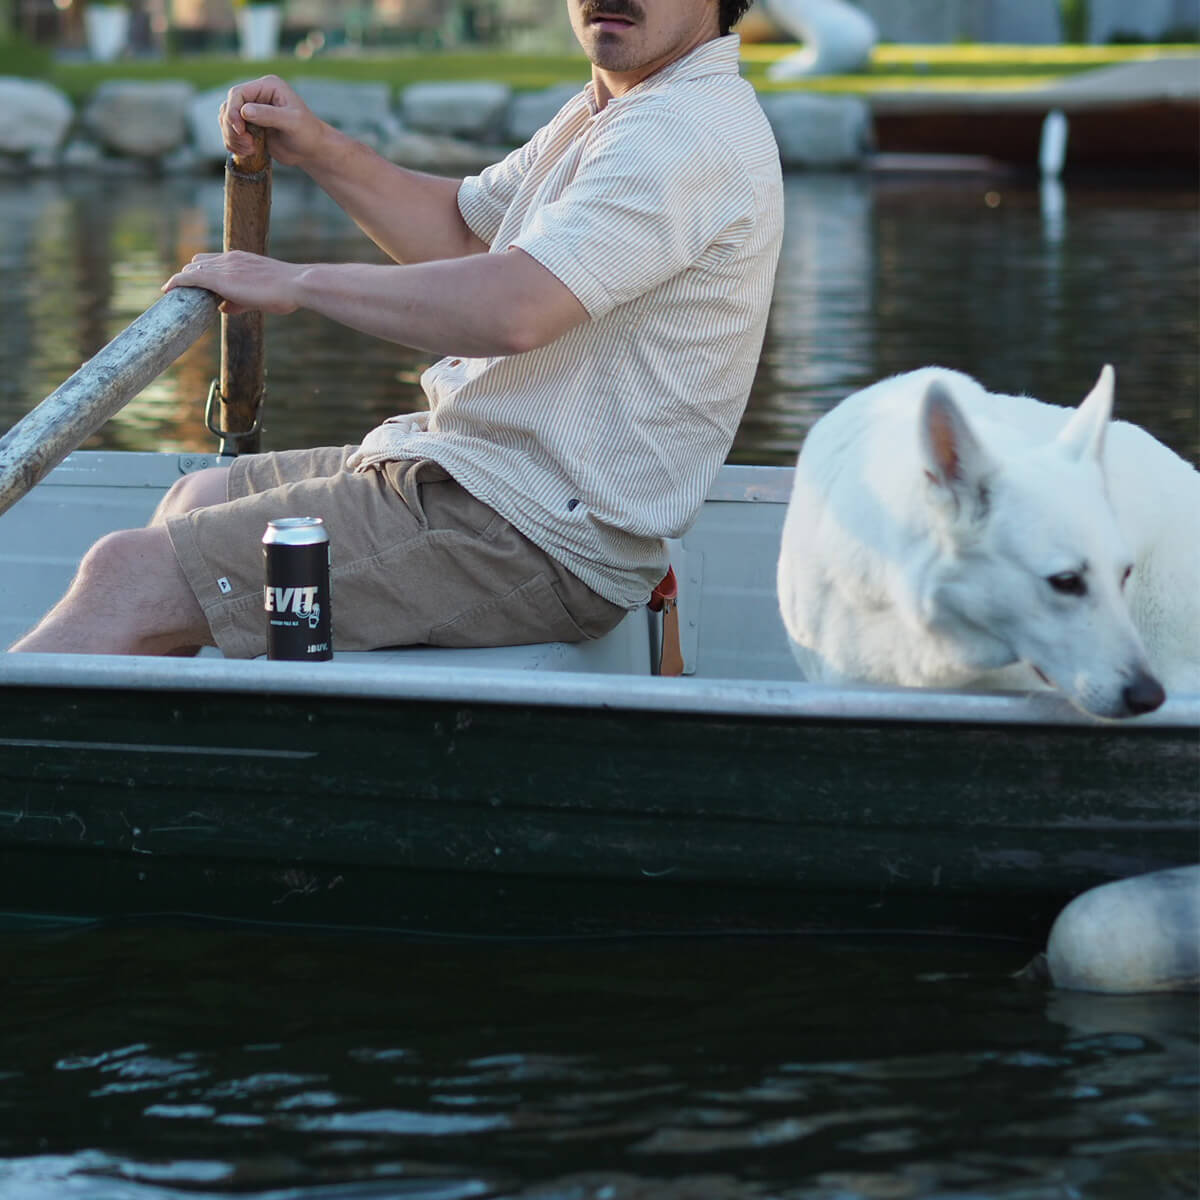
(590, 9)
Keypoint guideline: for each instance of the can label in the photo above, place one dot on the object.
(296, 598)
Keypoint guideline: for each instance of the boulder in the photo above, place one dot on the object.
(529, 111)
(427, 152)
(34, 117)
(819, 131)
(362, 110)
(355, 108)
(202, 125)
(142, 119)
(474, 110)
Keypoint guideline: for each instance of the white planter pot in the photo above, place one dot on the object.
(258, 30)
(107, 29)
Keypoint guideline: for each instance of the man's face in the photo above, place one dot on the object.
(627, 40)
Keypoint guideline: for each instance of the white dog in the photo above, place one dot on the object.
(942, 536)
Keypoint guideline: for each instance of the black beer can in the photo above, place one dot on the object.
(296, 593)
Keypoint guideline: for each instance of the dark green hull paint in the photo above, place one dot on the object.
(487, 819)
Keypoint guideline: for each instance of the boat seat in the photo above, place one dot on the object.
(624, 650)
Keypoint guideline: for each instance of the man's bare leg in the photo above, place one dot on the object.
(130, 596)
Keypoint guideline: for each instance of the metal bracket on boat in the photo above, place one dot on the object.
(210, 408)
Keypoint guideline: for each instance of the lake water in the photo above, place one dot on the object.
(146, 1064)
(160, 1062)
(879, 275)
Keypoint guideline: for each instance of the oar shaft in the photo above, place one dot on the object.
(243, 354)
(101, 387)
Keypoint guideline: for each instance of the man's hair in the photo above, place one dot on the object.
(732, 11)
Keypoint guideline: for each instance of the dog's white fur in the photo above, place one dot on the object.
(939, 535)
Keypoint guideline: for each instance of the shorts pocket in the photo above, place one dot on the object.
(440, 502)
(527, 615)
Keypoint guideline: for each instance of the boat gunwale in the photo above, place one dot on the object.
(687, 696)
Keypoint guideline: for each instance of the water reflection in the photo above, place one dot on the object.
(1030, 288)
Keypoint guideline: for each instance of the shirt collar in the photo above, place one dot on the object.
(720, 56)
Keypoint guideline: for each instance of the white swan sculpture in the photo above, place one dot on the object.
(838, 38)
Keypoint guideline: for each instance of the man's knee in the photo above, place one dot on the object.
(132, 578)
(200, 489)
(125, 557)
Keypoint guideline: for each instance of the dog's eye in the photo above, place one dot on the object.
(1125, 577)
(1068, 583)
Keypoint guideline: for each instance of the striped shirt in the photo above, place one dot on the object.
(663, 214)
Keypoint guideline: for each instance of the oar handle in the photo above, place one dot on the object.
(37, 443)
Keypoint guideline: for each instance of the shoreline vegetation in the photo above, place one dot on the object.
(893, 68)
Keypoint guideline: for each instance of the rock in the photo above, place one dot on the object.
(1135, 935)
(529, 111)
(202, 112)
(139, 118)
(82, 154)
(473, 110)
(181, 161)
(424, 152)
(362, 110)
(819, 131)
(34, 117)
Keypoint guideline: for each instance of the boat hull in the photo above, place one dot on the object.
(536, 815)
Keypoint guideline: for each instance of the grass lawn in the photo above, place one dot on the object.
(950, 67)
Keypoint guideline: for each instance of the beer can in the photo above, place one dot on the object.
(296, 591)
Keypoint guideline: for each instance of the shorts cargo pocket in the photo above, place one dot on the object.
(440, 502)
(527, 615)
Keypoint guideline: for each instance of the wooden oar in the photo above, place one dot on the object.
(37, 443)
(243, 363)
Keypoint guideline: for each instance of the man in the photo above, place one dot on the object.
(599, 299)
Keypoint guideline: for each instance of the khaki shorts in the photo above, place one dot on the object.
(416, 559)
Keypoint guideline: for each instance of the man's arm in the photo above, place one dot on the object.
(477, 306)
(410, 216)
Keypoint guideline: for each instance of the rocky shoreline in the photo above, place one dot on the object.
(170, 126)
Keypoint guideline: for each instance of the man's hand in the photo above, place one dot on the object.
(245, 282)
(294, 132)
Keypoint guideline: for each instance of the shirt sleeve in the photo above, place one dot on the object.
(484, 199)
(653, 192)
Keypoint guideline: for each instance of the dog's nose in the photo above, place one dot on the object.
(1143, 695)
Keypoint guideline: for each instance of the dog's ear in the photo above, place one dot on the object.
(1083, 435)
(955, 461)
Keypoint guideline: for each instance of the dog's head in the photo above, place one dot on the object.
(1032, 565)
